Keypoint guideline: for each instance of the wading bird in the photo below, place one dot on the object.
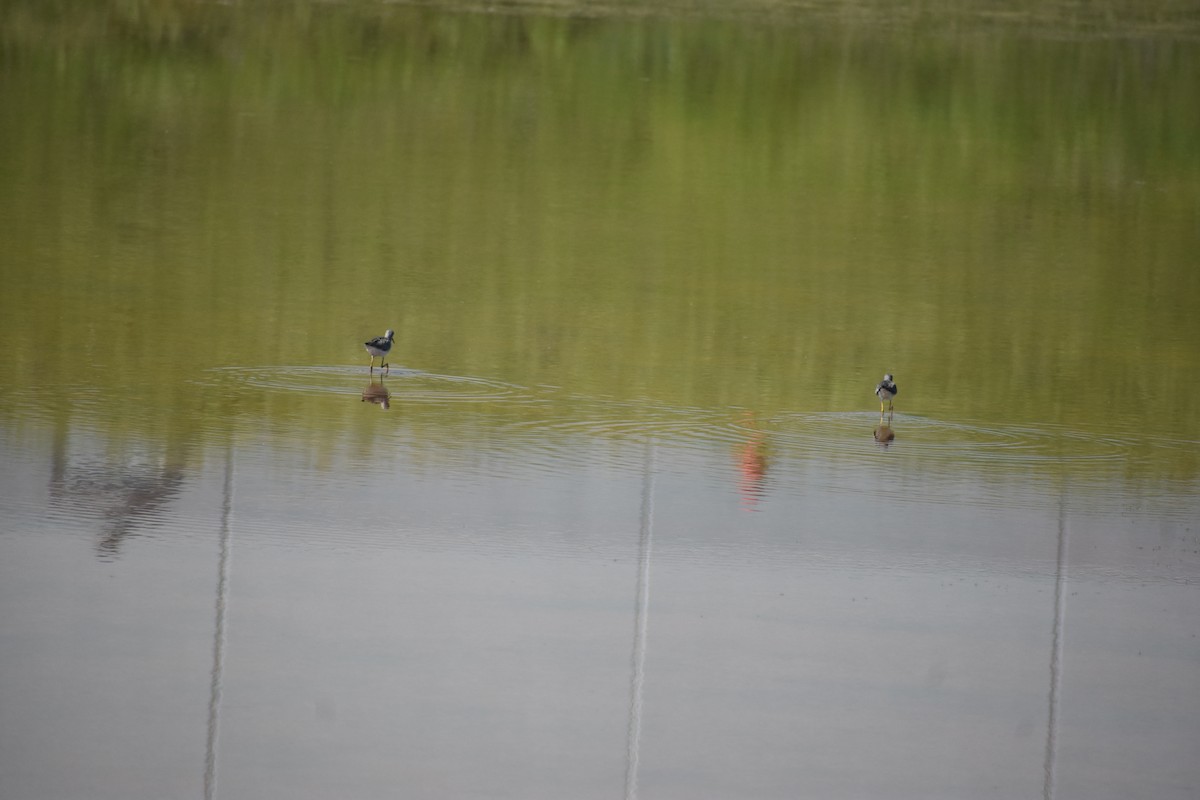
(379, 347)
(885, 391)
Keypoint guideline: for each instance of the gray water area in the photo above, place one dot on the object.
(622, 517)
(709, 610)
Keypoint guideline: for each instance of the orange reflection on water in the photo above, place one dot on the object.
(752, 464)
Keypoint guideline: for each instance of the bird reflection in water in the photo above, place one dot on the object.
(884, 433)
(378, 394)
(752, 464)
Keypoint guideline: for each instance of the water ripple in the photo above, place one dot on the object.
(549, 429)
(934, 441)
(403, 385)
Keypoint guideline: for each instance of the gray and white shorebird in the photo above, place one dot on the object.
(885, 391)
(379, 348)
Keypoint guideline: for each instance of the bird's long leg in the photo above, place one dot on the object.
(386, 367)
(372, 367)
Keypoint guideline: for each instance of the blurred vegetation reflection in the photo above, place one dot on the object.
(761, 206)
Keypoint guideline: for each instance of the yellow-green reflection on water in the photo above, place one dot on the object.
(697, 213)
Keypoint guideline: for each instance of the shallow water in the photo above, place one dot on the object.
(618, 519)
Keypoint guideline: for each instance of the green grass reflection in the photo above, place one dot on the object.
(764, 212)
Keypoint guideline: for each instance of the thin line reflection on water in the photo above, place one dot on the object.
(222, 606)
(641, 626)
(1056, 650)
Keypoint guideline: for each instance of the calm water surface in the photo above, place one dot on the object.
(616, 523)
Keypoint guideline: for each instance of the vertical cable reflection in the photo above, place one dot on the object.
(214, 697)
(1056, 646)
(639, 631)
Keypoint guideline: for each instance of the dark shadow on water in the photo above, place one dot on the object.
(126, 495)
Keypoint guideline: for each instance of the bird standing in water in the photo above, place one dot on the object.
(379, 347)
(885, 391)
